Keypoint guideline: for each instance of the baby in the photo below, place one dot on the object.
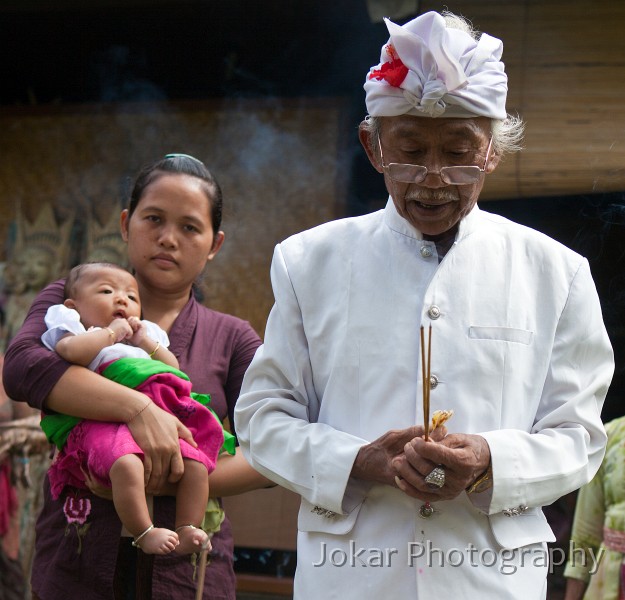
(99, 326)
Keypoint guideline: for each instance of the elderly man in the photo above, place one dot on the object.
(332, 406)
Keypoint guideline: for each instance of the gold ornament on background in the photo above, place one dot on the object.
(104, 242)
(39, 255)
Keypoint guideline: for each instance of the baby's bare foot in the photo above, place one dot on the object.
(157, 540)
(192, 539)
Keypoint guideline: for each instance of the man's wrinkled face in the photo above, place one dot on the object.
(432, 206)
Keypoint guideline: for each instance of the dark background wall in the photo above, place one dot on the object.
(103, 52)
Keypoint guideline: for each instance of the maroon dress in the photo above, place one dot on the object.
(78, 534)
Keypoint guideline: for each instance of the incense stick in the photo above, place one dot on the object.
(425, 374)
(429, 378)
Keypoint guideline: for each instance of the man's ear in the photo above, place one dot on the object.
(369, 145)
(493, 162)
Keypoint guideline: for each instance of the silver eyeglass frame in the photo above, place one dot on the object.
(472, 172)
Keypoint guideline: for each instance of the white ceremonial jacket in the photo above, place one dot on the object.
(519, 352)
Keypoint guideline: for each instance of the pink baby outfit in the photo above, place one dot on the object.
(93, 446)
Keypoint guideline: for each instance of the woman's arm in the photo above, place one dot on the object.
(34, 374)
(243, 352)
(155, 430)
(31, 370)
(588, 523)
(575, 589)
(233, 475)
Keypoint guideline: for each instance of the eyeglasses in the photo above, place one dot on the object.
(460, 175)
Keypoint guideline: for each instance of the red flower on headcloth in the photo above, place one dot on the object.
(393, 72)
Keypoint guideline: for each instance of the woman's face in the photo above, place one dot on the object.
(170, 234)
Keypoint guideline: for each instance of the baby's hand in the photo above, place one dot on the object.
(121, 328)
(135, 323)
(138, 331)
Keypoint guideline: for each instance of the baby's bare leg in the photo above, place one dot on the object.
(129, 498)
(191, 501)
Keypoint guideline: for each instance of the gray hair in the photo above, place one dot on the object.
(507, 133)
(453, 21)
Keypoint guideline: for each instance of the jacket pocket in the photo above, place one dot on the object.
(504, 334)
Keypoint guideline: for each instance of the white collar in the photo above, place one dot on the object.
(398, 224)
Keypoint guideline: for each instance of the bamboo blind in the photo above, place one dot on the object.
(566, 65)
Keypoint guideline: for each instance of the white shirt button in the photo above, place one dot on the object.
(434, 312)
(433, 381)
(426, 251)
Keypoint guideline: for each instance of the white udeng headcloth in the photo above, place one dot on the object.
(428, 70)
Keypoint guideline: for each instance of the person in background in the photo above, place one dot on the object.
(172, 230)
(335, 403)
(595, 569)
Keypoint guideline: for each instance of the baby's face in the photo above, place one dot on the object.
(104, 294)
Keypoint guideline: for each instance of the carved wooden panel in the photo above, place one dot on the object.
(278, 162)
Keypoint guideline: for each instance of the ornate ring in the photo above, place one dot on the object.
(436, 478)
